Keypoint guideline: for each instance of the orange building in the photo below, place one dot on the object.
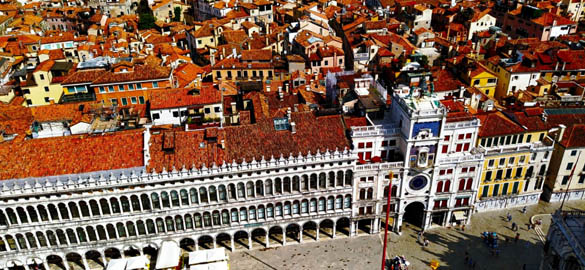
(127, 83)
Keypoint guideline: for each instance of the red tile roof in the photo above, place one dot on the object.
(183, 97)
(140, 73)
(83, 76)
(496, 123)
(249, 141)
(71, 155)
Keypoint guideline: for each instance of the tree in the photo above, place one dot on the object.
(146, 18)
(177, 17)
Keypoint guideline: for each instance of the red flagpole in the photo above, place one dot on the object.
(386, 223)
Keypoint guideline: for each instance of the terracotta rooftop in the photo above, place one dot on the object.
(184, 97)
(71, 155)
(496, 123)
(249, 142)
(83, 76)
(140, 73)
(256, 55)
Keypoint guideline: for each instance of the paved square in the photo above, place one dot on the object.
(447, 245)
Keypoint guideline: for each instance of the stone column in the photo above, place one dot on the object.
(317, 234)
(214, 244)
(284, 236)
(46, 265)
(300, 235)
(25, 265)
(334, 228)
(233, 247)
(104, 261)
(85, 264)
(249, 240)
(196, 245)
(267, 239)
(352, 227)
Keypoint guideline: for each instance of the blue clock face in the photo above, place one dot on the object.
(418, 183)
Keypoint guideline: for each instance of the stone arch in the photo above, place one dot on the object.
(112, 253)
(55, 260)
(342, 227)
(187, 244)
(258, 236)
(292, 232)
(74, 260)
(241, 240)
(275, 235)
(205, 242)
(414, 213)
(326, 227)
(224, 240)
(95, 256)
(310, 229)
(131, 251)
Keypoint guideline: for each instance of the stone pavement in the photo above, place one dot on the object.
(447, 245)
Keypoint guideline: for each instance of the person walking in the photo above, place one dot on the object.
(509, 217)
(524, 210)
(514, 226)
(517, 238)
(426, 241)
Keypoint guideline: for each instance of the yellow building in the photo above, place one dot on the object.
(479, 76)
(515, 145)
(43, 85)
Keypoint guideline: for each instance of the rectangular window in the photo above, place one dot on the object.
(175, 114)
(447, 138)
(124, 101)
(511, 161)
(131, 87)
(565, 180)
(491, 163)
(502, 162)
(114, 101)
(139, 86)
(569, 165)
(581, 179)
(155, 85)
(111, 88)
(361, 145)
(468, 136)
(499, 174)
(46, 89)
(121, 87)
(484, 192)
(141, 99)
(133, 100)
(461, 136)
(505, 189)
(102, 90)
(445, 149)
(496, 190)
(369, 145)
(519, 172)
(573, 153)
(515, 188)
(508, 173)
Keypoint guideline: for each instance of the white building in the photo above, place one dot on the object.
(481, 21)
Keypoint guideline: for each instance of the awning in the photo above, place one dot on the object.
(211, 266)
(168, 255)
(135, 263)
(117, 264)
(459, 215)
(207, 256)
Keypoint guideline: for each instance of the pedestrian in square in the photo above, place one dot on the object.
(463, 227)
(529, 226)
(524, 210)
(517, 238)
(514, 226)
(473, 266)
(470, 262)
(426, 242)
(509, 216)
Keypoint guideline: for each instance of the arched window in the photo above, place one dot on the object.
(339, 202)
(259, 188)
(150, 227)
(179, 223)
(145, 202)
(131, 229)
(234, 214)
(321, 204)
(91, 233)
(322, 181)
(331, 179)
(2, 245)
(74, 210)
(101, 232)
(348, 177)
(164, 197)
(278, 185)
(313, 183)
(81, 235)
(542, 170)
(304, 183)
(170, 224)
(232, 191)
(296, 185)
(241, 191)
(126, 203)
(45, 216)
(42, 239)
(84, 209)
(252, 213)
(52, 211)
(51, 237)
(304, 207)
(141, 228)
(105, 206)
(243, 214)
(347, 203)
(21, 241)
(268, 187)
(270, 211)
(32, 243)
(212, 194)
(115, 205)
(287, 208)
(197, 220)
(194, 196)
(11, 242)
(469, 184)
(362, 194)
(216, 218)
(22, 214)
(121, 229)
(188, 222)
(330, 203)
(439, 186)
(313, 206)
(222, 193)
(206, 219)
(32, 213)
(203, 195)
(278, 210)
(71, 236)
(175, 198)
(225, 217)
(135, 203)
(250, 189)
(160, 225)
(447, 186)
(261, 212)
(95, 209)
(184, 197)
(529, 172)
(385, 192)
(370, 193)
(461, 184)
(339, 179)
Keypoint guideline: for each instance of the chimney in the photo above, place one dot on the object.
(280, 95)
(293, 127)
(286, 87)
(267, 41)
(288, 114)
(223, 53)
(561, 132)
(212, 59)
(234, 52)
(267, 88)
